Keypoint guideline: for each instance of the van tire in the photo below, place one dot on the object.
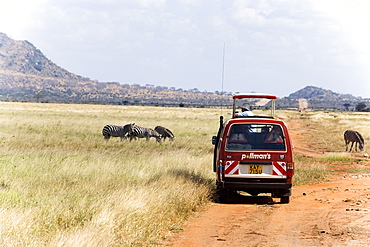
(223, 196)
(223, 199)
(285, 199)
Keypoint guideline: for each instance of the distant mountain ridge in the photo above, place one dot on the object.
(312, 92)
(23, 57)
(26, 74)
(319, 98)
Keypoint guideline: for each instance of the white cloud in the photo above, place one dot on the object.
(18, 16)
(352, 22)
(279, 45)
(193, 3)
(246, 15)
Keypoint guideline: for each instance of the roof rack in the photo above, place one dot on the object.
(255, 96)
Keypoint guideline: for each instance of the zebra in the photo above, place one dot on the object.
(355, 138)
(116, 131)
(141, 132)
(165, 133)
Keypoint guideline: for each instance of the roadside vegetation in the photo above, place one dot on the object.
(61, 184)
(323, 132)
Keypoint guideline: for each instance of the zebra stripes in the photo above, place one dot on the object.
(116, 131)
(141, 132)
(165, 133)
(133, 131)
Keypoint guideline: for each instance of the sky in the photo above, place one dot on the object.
(264, 46)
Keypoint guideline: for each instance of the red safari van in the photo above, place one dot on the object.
(253, 154)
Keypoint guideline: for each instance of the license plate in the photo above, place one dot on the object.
(255, 169)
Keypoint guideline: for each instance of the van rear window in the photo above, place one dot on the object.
(255, 137)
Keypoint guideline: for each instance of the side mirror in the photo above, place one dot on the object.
(214, 140)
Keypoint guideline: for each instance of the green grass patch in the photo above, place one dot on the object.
(358, 170)
(337, 158)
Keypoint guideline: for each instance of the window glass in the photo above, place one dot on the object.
(255, 137)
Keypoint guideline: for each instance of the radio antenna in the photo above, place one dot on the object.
(223, 77)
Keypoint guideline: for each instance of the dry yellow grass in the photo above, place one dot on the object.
(61, 184)
(324, 133)
(330, 126)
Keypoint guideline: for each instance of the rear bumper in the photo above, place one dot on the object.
(256, 185)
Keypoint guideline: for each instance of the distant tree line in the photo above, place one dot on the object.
(362, 107)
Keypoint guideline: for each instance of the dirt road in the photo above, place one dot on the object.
(335, 213)
(327, 214)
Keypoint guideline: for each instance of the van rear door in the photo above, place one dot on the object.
(255, 150)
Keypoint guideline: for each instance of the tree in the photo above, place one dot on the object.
(346, 106)
(361, 106)
(38, 96)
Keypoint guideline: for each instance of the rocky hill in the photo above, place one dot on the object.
(23, 58)
(311, 92)
(26, 74)
(319, 98)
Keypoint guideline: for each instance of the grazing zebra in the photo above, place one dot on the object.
(116, 131)
(141, 132)
(355, 138)
(165, 133)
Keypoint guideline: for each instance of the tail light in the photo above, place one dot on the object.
(290, 168)
(290, 171)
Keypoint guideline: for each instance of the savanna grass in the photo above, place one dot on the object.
(325, 129)
(324, 133)
(61, 184)
(309, 171)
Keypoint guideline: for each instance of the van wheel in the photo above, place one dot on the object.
(225, 195)
(222, 196)
(285, 199)
(223, 199)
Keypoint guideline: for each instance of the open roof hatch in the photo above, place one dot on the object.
(255, 100)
